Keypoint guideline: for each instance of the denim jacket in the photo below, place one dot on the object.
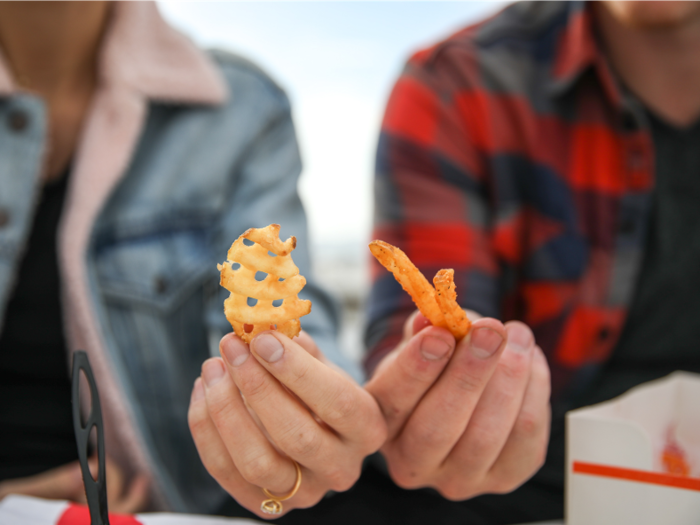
(181, 152)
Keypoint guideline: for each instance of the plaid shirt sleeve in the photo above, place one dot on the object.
(431, 194)
(502, 155)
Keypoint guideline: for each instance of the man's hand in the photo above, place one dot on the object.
(259, 408)
(66, 483)
(467, 418)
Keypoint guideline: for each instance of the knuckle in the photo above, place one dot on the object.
(404, 476)
(428, 436)
(415, 372)
(454, 491)
(467, 383)
(304, 443)
(406, 480)
(341, 480)
(197, 422)
(258, 470)
(503, 486)
(218, 466)
(344, 406)
(455, 486)
(217, 410)
(513, 366)
(377, 436)
(527, 425)
(254, 385)
(481, 445)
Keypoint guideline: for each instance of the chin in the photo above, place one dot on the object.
(655, 14)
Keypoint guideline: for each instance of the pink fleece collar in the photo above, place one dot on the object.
(142, 53)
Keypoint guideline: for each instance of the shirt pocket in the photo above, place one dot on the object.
(153, 289)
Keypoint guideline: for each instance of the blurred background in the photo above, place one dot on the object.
(337, 62)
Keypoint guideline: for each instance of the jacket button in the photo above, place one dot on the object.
(160, 284)
(18, 120)
(4, 217)
(604, 333)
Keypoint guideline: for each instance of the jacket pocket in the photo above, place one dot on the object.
(153, 290)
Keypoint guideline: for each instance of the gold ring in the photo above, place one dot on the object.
(274, 504)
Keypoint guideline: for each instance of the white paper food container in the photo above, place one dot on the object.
(614, 474)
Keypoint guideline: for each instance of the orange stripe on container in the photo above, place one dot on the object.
(640, 476)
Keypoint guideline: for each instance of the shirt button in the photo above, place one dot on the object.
(4, 217)
(604, 334)
(627, 227)
(18, 120)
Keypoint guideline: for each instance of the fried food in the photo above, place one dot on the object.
(673, 458)
(282, 282)
(439, 304)
(446, 296)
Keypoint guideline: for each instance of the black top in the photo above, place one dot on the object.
(663, 325)
(36, 425)
(662, 333)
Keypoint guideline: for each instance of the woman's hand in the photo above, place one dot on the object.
(466, 418)
(259, 408)
(66, 483)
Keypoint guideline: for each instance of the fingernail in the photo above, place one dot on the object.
(212, 371)
(484, 342)
(520, 337)
(235, 351)
(268, 347)
(433, 348)
(198, 390)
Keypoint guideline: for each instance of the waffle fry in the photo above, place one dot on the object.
(282, 282)
(438, 304)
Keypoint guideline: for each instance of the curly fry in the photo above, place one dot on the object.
(455, 316)
(439, 304)
(410, 278)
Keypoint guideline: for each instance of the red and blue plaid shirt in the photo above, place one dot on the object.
(510, 153)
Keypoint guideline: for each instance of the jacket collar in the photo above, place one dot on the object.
(577, 50)
(143, 54)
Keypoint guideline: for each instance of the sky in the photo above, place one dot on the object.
(337, 62)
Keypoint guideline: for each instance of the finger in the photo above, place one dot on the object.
(307, 343)
(408, 374)
(441, 417)
(135, 497)
(414, 324)
(214, 453)
(64, 482)
(472, 315)
(495, 413)
(290, 424)
(526, 448)
(113, 474)
(335, 398)
(211, 448)
(253, 455)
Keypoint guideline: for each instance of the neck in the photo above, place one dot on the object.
(661, 65)
(51, 47)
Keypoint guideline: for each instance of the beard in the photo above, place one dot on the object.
(655, 15)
